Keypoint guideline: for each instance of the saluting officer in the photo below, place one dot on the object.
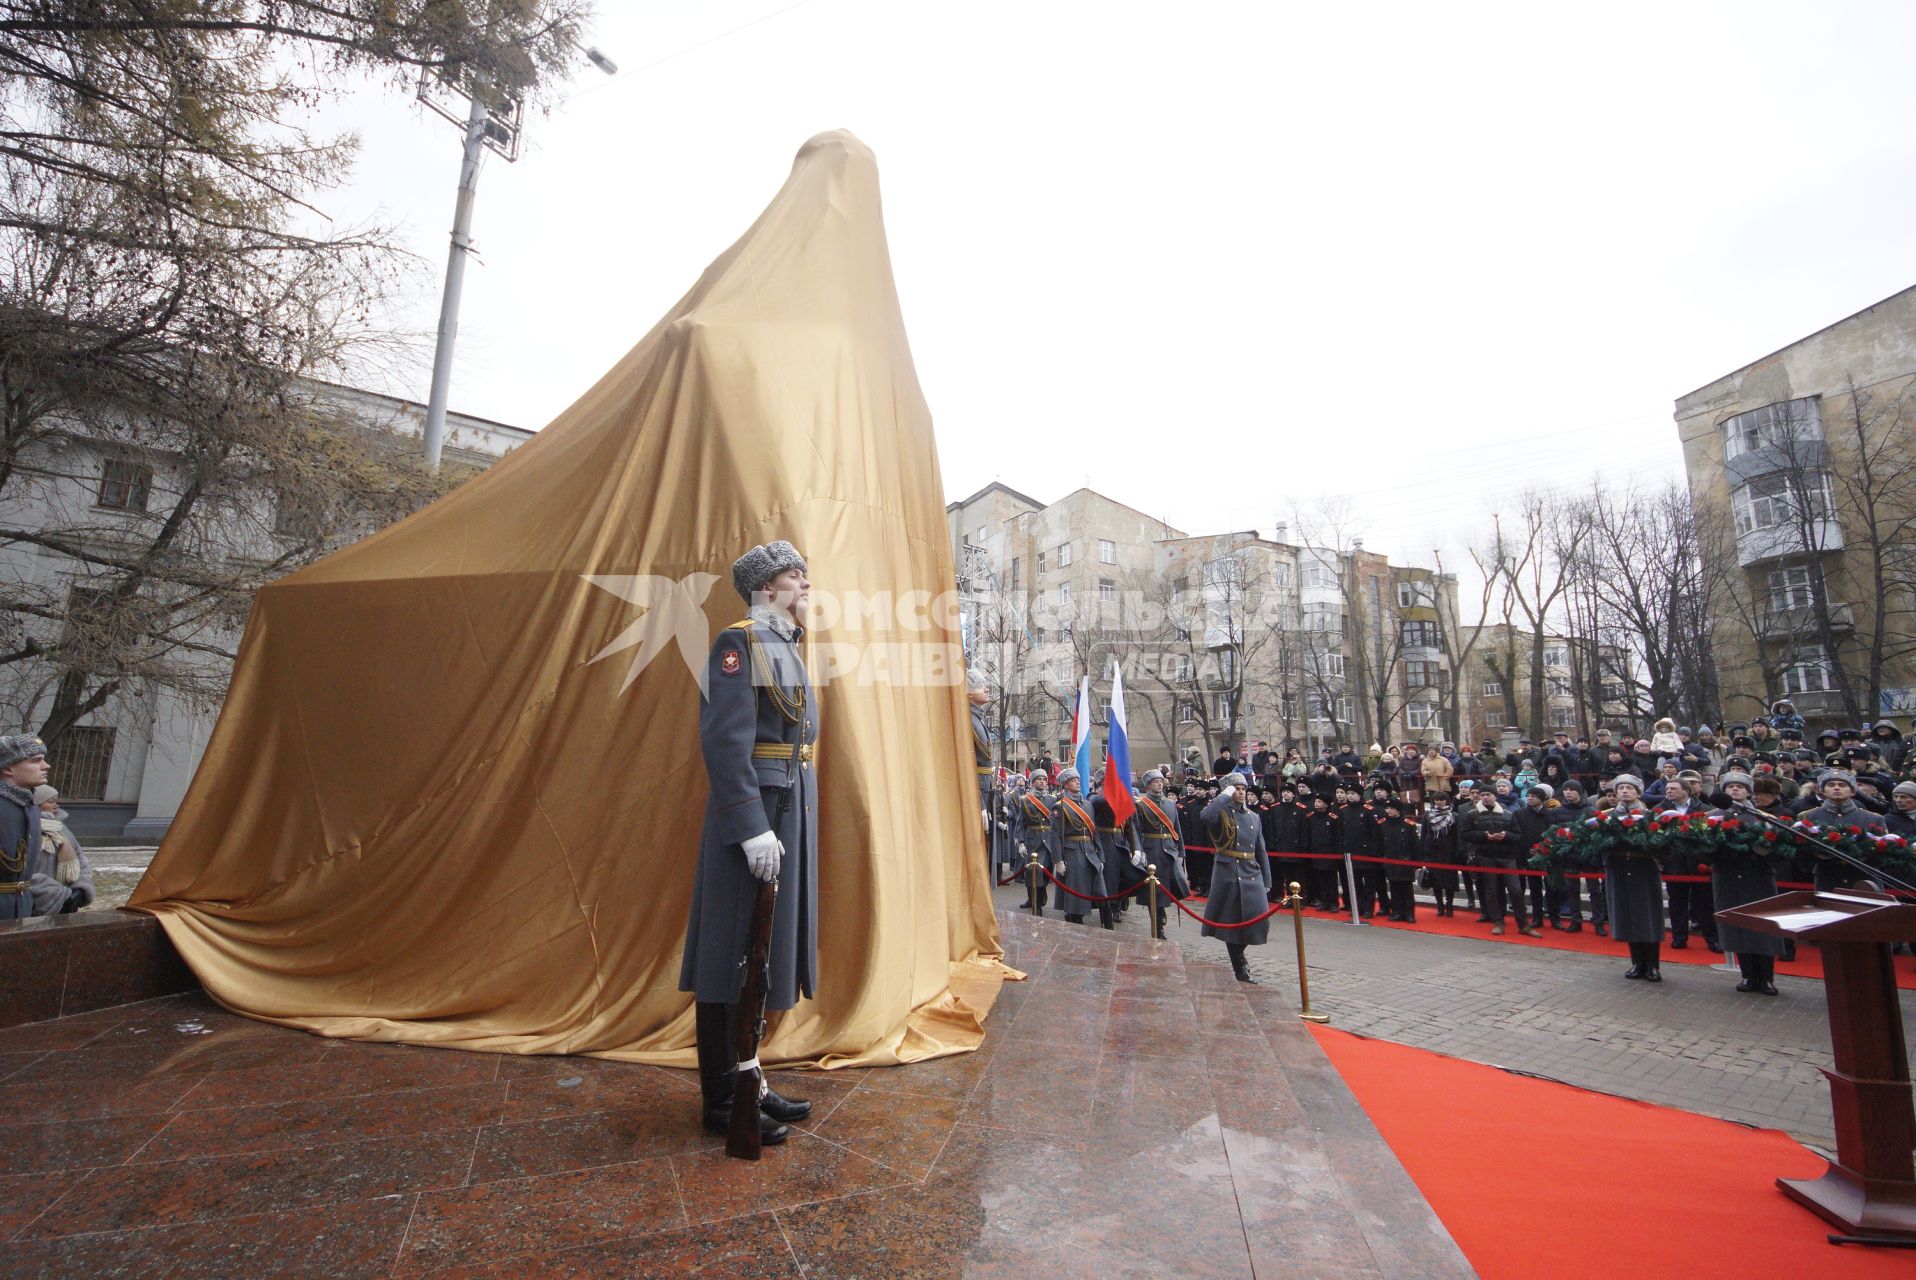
(1160, 845)
(756, 731)
(1241, 876)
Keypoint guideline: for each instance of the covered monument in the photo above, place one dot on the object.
(454, 796)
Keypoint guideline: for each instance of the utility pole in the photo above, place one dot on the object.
(491, 119)
(477, 116)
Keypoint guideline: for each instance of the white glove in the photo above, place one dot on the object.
(763, 854)
(1229, 792)
(1137, 859)
(985, 814)
(1058, 870)
(1022, 851)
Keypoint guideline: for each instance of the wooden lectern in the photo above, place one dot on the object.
(1870, 1189)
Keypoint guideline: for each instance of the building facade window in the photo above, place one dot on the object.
(1774, 501)
(125, 485)
(1315, 575)
(1107, 590)
(1790, 588)
(1808, 671)
(1064, 595)
(1420, 635)
(1281, 576)
(1107, 551)
(1556, 657)
(1559, 686)
(1323, 617)
(1612, 691)
(1064, 555)
(1223, 708)
(1495, 719)
(1314, 707)
(1493, 688)
(1423, 675)
(1014, 573)
(1041, 562)
(1420, 715)
(1329, 666)
(1779, 424)
(81, 759)
(1560, 717)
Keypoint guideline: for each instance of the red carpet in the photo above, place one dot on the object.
(1590, 1185)
(1808, 962)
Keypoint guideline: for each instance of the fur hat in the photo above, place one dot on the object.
(1737, 775)
(1068, 775)
(1768, 785)
(1837, 775)
(15, 747)
(1232, 780)
(761, 564)
(1627, 780)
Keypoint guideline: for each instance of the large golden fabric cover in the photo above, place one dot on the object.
(428, 815)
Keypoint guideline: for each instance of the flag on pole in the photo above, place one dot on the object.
(1117, 754)
(1081, 735)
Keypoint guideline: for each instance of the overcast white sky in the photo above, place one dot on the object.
(1216, 259)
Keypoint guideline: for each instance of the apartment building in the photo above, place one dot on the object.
(1802, 471)
(1224, 638)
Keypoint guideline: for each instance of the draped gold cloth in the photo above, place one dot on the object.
(428, 815)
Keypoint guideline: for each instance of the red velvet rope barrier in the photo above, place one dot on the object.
(1218, 924)
(1128, 893)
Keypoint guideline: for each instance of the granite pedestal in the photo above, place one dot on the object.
(1129, 1115)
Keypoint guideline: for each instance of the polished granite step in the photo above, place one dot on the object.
(1130, 1114)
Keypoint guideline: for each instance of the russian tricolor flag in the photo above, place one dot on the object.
(1117, 755)
(1081, 736)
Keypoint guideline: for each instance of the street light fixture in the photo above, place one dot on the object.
(490, 121)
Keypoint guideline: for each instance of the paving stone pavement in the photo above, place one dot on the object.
(1691, 1042)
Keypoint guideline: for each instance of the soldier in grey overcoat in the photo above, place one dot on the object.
(1633, 886)
(1156, 823)
(757, 730)
(1735, 882)
(23, 766)
(1240, 875)
(994, 818)
(1035, 828)
(1079, 861)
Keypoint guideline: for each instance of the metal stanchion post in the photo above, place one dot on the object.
(1157, 921)
(1295, 901)
(1037, 907)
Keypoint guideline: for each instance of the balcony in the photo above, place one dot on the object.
(1784, 540)
(1782, 624)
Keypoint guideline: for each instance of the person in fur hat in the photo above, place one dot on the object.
(1241, 876)
(1664, 740)
(23, 766)
(757, 728)
(1838, 809)
(63, 881)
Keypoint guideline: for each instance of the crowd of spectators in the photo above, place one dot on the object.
(1452, 820)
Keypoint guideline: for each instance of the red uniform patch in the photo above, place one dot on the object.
(728, 662)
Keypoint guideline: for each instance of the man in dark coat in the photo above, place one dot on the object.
(1489, 831)
(1325, 830)
(1690, 902)
(1838, 808)
(23, 766)
(1738, 881)
(756, 732)
(1633, 883)
(1397, 839)
(1241, 876)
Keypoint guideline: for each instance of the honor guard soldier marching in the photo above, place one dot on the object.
(1160, 845)
(756, 731)
(23, 766)
(1241, 876)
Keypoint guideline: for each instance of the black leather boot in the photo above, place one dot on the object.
(718, 1063)
(1239, 965)
(1636, 961)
